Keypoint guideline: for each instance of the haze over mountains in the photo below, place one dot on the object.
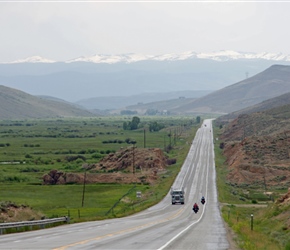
(125, 75)
(271, 83)
(184, 84)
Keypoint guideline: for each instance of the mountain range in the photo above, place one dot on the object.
(223, 55)
(126, 75)
(257, 92)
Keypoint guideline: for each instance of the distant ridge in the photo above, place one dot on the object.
(272, 103)
(15, 104)
(268, 84)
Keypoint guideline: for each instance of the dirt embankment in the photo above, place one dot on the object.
(130, 165)
(257, 153)
(261, 161)
(10, 212)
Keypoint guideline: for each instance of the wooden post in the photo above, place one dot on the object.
(84, 187)
(252, 221)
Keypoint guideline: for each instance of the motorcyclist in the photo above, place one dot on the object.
(195, 206)
(202, 200)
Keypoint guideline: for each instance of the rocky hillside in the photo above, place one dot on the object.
(257, 148)
(15, 104)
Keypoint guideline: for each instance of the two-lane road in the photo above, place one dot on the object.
(163, 226)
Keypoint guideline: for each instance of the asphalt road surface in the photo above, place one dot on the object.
(163, 226)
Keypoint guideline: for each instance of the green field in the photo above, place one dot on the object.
(31, 148)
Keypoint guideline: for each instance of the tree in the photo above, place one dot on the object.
(154, 126)
(198, 119)
(135, 122)
(125, 126)
(132, 125)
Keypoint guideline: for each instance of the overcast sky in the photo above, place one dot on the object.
(66, 30)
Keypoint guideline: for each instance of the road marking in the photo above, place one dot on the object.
(195, 222)
(123, 231)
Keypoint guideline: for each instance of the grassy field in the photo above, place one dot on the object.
(31, 148)
(268, 231)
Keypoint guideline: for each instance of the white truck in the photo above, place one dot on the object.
(177, 196)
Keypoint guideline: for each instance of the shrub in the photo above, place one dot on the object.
(97, 156)
(70, 158)
(171, 161)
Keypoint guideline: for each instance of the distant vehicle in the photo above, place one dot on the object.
(202, 200)
(177, 196)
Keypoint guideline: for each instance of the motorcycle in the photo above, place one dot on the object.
(202, 201)
(195, 209)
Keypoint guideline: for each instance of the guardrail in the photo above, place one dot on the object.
(40, 223)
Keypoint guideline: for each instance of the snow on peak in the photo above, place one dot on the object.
(223, 55)
(34, 59)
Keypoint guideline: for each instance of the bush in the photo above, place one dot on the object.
(97, 156)
(29, 169)
(70, 158)
(171, 161)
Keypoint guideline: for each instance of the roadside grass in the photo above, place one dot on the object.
(239, 219)
(33, 148)
(240, 202)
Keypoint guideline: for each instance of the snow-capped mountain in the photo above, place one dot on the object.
(34, 59)
(119, 75)
(224, 55)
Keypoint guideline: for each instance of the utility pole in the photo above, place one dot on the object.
(84, 187)
(164, 142)
(133, 154)
(144, 138)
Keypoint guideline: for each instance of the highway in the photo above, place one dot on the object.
(163, 226)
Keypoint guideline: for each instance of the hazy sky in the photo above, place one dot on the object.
(63, 30)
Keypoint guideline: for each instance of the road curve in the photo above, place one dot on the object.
(163, 226)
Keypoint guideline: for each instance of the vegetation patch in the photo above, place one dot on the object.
(73, 146)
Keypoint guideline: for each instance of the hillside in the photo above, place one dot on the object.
(265, 105)
(159, 107)
(148, 100)
(256, 147)
(268, 84)
(260, 92)
(15, 104)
